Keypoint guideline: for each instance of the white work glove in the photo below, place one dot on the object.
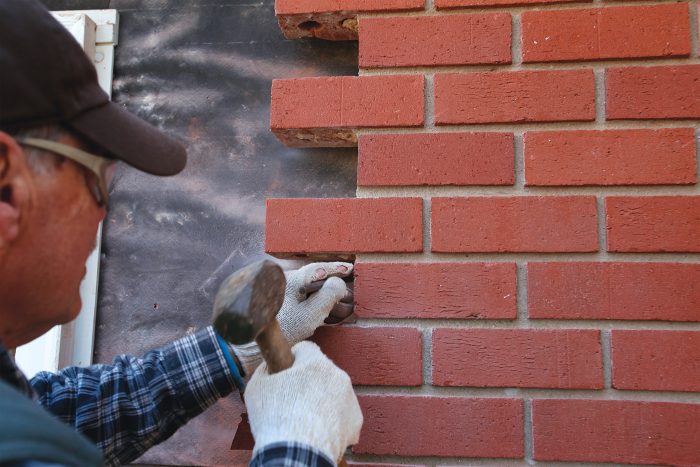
(312, 403)
(300, 316)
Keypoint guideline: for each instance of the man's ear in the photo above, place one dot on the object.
(13, 188)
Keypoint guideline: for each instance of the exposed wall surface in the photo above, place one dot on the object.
(526, 225)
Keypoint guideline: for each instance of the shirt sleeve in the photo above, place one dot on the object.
(135, 403)
(290, 454)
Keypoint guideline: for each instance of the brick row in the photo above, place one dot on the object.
(445, 4)
(441, 426)
(610, 157)
(514, 224)
(623, 291)
(627, 432)
(411, 41)
(531, 358)
(375, 356)
(653, 223)
(308, 112)
(332, 226)
(656, 360)
(436, 159)
(606, 33)
(436, 290)
(514, 96)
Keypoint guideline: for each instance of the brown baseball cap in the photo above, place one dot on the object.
(45, 78)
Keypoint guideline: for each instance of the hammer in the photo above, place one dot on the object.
(245, 308)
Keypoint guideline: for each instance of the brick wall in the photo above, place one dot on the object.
(526, 229)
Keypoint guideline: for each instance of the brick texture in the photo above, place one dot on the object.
(441, 426)
(625, 291)
(441, 4)
(514, 96)
(436, 159)
(514, 224)
(653, 92)
(616, 431)
(303, 110)
(411, 41)
(437, 290)
(653, 223)
(291, 7)
(606, 33)
(334, 226)
(375, 356)
(611, 157)
(656, 360)
(530, 358)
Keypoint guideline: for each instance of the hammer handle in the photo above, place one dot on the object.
(274, 348)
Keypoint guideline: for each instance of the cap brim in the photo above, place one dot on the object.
(126, 137)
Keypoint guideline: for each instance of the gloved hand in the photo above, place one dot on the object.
(300, 316)
(312, 403)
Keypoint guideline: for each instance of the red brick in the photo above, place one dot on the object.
(443, 4)
(436, 159)
(514, 96)
(628, 291)
(524, 358)
(411, 41)
(653, 223)
(302, 110)
(291, 7)
(375, 356)
(612, 157)
(514, 224)
(653, 92)
(441, 426)
(627, 432)
(436, 290)
(656, 360)
(605, 33)
(343, 225)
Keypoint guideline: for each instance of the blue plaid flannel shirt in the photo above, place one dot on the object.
(135, 403)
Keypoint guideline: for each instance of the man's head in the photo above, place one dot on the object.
(59, 139)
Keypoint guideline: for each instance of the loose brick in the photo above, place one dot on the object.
(525, 358)
(444, 4)
(436, 290)
(411, 41)
(514, 96)
(653, 223)
(436, 159)
(441, 426)
(329, 226)
(627, 432)
(514, 224)
(291, 7)
(606, 33)
(656, 360)
(612, 157)
(653, 92)
(308, 112)
(375, 356)
(332, 20)
(626, 291)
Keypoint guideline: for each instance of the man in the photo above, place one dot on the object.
(60, 138)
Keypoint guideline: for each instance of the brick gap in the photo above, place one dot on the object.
(600, 96)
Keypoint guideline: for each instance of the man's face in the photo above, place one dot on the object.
(42, 269)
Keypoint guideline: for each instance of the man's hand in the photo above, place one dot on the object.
(300, 316)
(311, 403)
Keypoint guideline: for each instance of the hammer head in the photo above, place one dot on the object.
(248, 300)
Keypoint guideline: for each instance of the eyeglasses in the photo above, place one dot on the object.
(102, 168)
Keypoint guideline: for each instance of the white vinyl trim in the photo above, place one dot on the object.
(73, 343)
